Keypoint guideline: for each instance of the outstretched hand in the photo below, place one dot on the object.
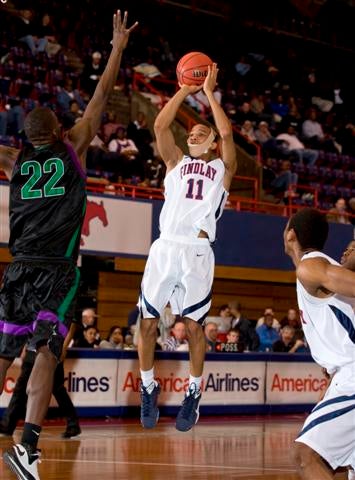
(211, 80)
(120, 30)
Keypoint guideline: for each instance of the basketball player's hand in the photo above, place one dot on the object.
(120, 30)
(190, 89)
(211, 79)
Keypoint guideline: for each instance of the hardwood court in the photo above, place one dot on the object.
(228, 448)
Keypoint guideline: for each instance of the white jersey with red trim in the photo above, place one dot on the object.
(328, 324)
(194, 198)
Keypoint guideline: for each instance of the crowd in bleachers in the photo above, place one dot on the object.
(228, 332)
(295, 106)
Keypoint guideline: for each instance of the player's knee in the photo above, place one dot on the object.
(303, 455)
(148, 327)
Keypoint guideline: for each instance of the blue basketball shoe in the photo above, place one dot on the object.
(189, 411)
(149, 408)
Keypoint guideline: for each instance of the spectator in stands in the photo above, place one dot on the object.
(211, 333)
(27, 33)
(154, 172)
(248, 131)
(114, 339)
(293, 114)
(279, 108)
(267, 334)
(339, 213)
(12, 118)
(287, 341)
(128, 342)
(88, 340)
(177, 341)
(291, 145)
(46, 31)
(110, 126)
(257, 105)
(292, 319)
(248, 334)
(128, 159)
(313, 134)
(139, 132)
(268, 312)
(67, 94)
(88, 319)
(243, 113)
(284, 179)
(92, 73)
(268, 175)
(123, 145)
(74, 114)
(234, 337)
(224, 318)
(263, 134)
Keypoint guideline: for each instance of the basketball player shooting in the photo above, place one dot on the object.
(325, 292)
(47, 208)
(180, 264)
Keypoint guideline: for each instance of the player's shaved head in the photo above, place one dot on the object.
(41, 125)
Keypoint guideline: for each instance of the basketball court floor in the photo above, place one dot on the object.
(249, 448)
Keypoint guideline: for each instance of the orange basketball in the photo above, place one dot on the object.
(192, 68)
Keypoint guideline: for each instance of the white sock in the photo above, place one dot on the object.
(147, 377)
(351, 475)
(196, 380)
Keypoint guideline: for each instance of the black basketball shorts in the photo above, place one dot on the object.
(37, 304)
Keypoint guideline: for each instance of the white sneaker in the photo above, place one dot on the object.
(23, 462)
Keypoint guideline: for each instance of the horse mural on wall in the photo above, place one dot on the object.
(93, 210)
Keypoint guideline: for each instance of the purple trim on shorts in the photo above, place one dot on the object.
(13, 329)
(51, 317)
(76, 160)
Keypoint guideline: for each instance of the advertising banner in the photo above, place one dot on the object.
(105, 225)
(92, 382)
(225, 383)
(294, 383)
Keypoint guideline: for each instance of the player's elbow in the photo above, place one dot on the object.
(159, 126)
(226, 133)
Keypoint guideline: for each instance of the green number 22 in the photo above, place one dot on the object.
(52, 165)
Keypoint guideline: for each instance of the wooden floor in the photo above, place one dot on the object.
(218, 448)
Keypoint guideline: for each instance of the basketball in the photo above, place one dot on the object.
(192, 68)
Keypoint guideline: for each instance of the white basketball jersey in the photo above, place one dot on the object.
(194, 198)
(328, 324)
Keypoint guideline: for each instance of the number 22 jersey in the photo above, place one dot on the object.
(47, 202)
(194, 198)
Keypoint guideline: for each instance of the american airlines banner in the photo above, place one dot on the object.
(97, 382)
(112, 225)
(224, 382)
(288, 383)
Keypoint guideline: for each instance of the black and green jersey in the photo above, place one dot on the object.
(47, 202)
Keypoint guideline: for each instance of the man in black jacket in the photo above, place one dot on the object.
(248, 334)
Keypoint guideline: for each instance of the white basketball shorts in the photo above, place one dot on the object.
(179, 270)
(330, 427)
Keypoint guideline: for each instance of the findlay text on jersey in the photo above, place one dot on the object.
(199, 168)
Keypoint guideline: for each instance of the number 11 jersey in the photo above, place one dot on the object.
(47, 202)
(194, 198)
